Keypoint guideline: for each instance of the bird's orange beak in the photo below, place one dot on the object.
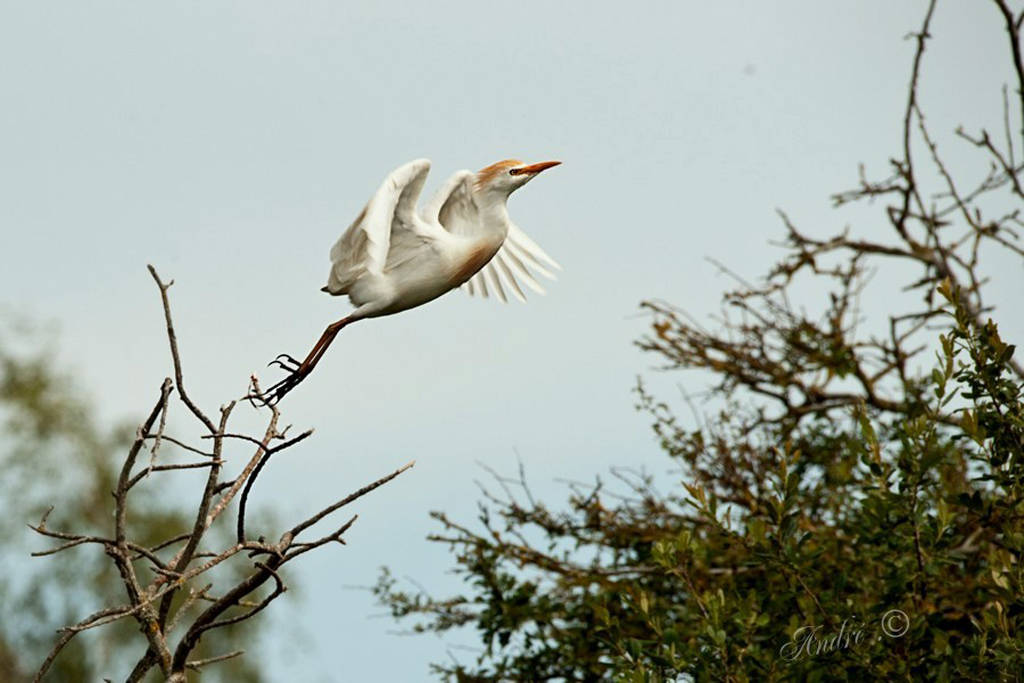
(537, 168)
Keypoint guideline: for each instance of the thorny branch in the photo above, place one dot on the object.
(151, 587)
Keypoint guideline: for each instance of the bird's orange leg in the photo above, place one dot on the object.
(299, 371)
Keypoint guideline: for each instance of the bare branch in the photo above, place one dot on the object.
(336, 537)
(172, 337)
(182, 445)
(208, 619)
(57, 647)
(120, 507)
(256, 472)
(193, 597)
(150, 605)
(197, 664)
(302, 526)
(166, 468)
(1013, 33)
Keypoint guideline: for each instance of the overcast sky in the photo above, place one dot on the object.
(229, 144)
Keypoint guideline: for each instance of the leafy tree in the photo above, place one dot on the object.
(853, 508)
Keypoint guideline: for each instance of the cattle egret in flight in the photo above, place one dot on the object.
(395, 257)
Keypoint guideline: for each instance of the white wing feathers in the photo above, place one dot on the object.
(453, 206)
(365, 244)
(390, 217)
(511, 266)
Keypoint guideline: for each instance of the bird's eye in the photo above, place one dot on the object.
(513, 171)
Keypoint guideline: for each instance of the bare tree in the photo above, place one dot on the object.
(155, 574)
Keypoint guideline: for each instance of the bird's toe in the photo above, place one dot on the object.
(286, 362)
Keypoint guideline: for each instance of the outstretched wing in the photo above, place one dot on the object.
(511, 267)
(364, 246)
(453, 206)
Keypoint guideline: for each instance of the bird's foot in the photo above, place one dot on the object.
(286, 363)
(296, 373)
(272, 396)
(275, 393)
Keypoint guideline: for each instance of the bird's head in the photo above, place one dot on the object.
(505, 177)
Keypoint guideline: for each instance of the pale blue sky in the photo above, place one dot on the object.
(230, 143)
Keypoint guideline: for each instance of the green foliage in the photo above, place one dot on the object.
(792, 577)
(850, 512)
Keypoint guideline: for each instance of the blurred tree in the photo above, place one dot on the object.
(851, 511)
(54, 453)
(171, 592)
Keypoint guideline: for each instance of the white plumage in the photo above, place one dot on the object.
(394, 256)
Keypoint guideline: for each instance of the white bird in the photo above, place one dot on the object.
(394, 257)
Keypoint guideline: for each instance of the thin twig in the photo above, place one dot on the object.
(240, 527)
(165, 468)
(175, 356)
(302, 526)
(197, 664)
